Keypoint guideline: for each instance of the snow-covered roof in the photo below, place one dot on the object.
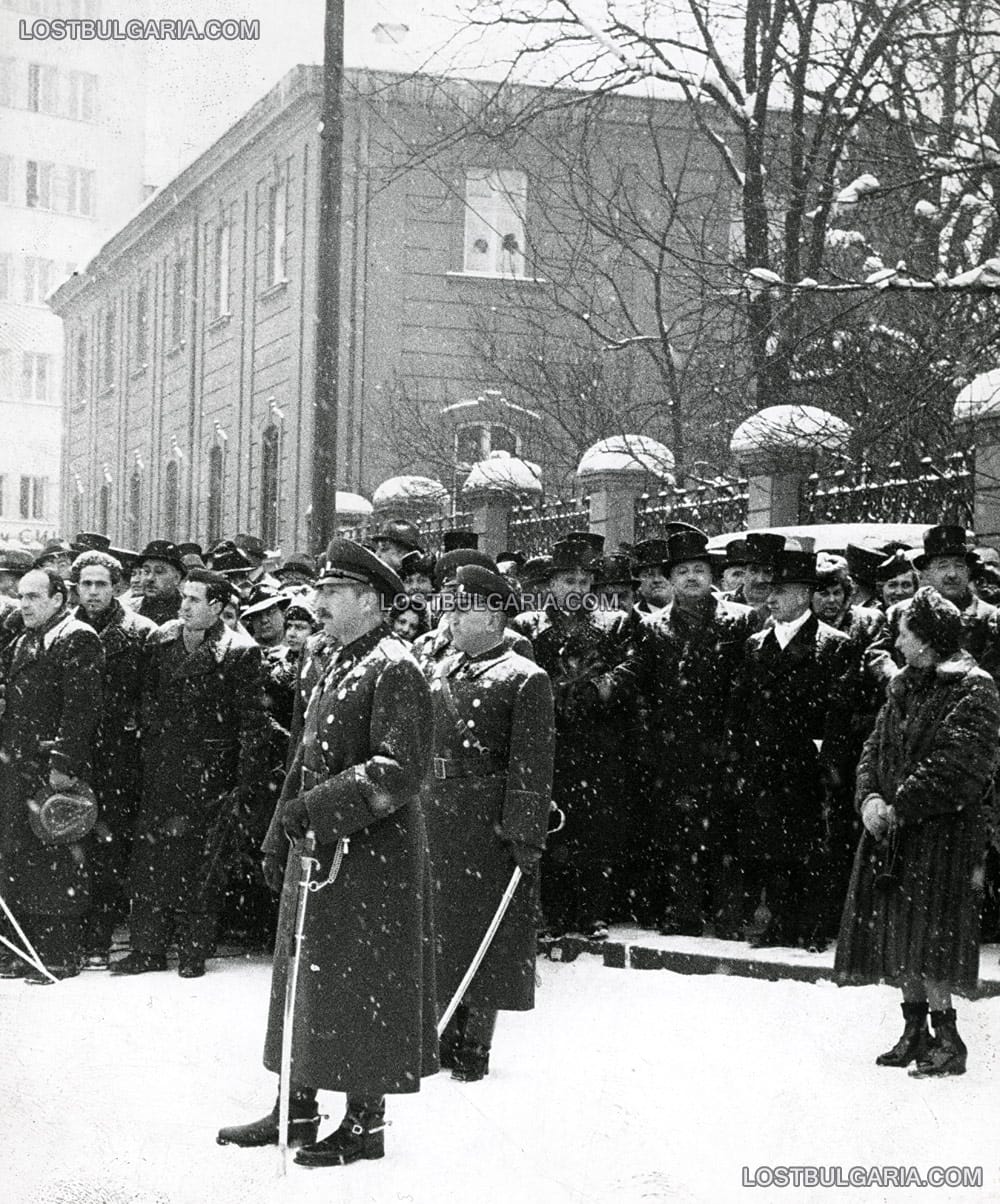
(790, 428)
(627, 453)
(504, 473)
(980, 397)
(353, 504)
(409, 489)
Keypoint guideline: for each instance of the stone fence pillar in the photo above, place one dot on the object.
(613, 495)
(491, 513)
(774, 481)
(985, 433)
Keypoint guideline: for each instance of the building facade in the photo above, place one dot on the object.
(72, 147)
(190, 336)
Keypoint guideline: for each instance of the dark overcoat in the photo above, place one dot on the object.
(53, 678)
(365, 1015)
(932, 755)
(785, 700)
(493, 746)
(204, 735)
(312, 661)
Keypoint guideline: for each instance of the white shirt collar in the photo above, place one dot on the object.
(784, 632)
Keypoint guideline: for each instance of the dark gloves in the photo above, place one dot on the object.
(295, 818)
(273, 869)
(526, 856)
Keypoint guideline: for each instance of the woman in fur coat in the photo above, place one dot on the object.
(912, 911)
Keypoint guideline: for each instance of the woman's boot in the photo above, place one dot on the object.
(947, 1054)
(914, 1042)
(361, 1135)
(303, 1124)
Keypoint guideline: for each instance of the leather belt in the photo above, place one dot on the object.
(485, 767)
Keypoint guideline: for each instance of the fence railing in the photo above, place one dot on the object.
(932, 494)
(534, 529)
(433, 529)
(713, 508)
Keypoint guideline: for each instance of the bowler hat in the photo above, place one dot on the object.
(687, 545)
(474, 581)
(459, 538)
(945, 540)
(264, 597)
(863, 562)
(447, 564)
(795, 568)
(650, 554)
(398, 530)
(162, 549)
(346, 560)
(763, 548)
(90, 541)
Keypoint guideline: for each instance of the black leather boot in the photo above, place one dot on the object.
(451, 1038)
(472, 1059)
(947, 1054)
(361, 1135)
(139, 963)
(914, 1042)
(303, 1124)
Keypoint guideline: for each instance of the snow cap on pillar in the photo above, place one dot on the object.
(789, 429)
(629, 455)
(501, 472)
(979, 399)
(409, 497)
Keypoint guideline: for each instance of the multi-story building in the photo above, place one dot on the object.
(190, 336)
(71, 171)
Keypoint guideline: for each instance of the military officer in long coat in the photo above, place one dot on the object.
(487, 813)
(365, 1016)
(52, 673)
(117, 772)
(204, 761)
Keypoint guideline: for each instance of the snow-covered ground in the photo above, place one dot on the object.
(622, 1086)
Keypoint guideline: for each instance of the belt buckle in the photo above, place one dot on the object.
(440, 768)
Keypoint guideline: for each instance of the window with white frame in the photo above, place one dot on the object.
(79, 191)
(80, 91)
(59, 188)
(495, 207)
(33, 493)
(39, 279)
(277, 203)
(36, 376)
(220, 269)
(43, 88)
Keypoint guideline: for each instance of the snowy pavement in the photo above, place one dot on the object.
(620, 1087)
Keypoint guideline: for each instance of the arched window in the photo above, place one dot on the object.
(216, 483)
(104, 509)
(171, 499)
(502, 438)
(269, 464)
(134, 509)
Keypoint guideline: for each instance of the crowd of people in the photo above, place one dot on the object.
(707, 743)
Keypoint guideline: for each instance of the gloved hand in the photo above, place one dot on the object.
(874, 817)
(295, 818)
(273, 869)
(525, 856)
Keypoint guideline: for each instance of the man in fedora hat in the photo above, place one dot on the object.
(578, 644)
(57, 554)
(365, 1015)
(158, 578)
(204, 761)
(487, 811)
(14, 563)
(52, 673)
(682, 668)
(788, 729)
(117, 773)
(394, 539)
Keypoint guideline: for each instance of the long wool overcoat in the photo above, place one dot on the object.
(365, 1012)
(53, 680)
(932, 755)
(498, 730)
(204, 735)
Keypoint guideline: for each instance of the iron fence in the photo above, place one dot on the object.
(713, 508)
(932, 494)
(534, 529)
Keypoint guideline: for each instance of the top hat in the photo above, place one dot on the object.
(736, 553)
(162, 549)
(298, 562)
(613, 570)
(398, 530)
(945, 540)
(346, 560)
(650, 554)
(459, 538)
(190, 548)
(90, 541)
(577, 550)
(763, 548)
(446, 565)
(687, 545)
(795, 568)
(264, 597)
(863, 562)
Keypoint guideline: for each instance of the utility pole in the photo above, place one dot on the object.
(325, 405)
